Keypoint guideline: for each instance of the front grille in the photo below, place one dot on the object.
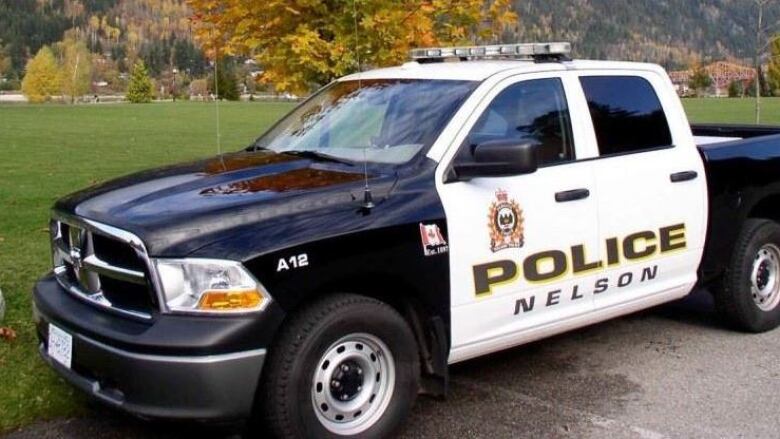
(103, 265)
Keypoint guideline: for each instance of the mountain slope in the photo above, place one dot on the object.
(670, 32)
(158, 31)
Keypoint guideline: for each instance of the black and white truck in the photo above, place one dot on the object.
(398, 221)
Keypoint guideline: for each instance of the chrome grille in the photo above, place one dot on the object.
(85, 256)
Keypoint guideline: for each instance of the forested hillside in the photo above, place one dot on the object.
(117, 31)
(670, 32)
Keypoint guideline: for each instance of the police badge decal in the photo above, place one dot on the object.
(505, 222)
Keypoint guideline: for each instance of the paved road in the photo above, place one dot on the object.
(673, 371)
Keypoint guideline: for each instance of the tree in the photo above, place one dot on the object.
(5, 60)
(763, 84)
(773, 72)
(303, 43)
(76, 69)
(105, 69)
(700, 80)
(41, 80)
(140, 90)
(226, 86)
(736, 89)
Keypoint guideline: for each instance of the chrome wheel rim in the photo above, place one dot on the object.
(353, 384)
(765, 278)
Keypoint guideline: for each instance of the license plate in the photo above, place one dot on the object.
(60, 346)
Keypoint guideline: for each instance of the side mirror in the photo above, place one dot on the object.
(497, 158)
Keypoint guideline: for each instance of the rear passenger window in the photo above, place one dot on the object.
(529, 111)
(626, 113)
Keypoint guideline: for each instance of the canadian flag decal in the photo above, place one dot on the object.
(433, 242)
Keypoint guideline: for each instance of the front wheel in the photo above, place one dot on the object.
(346, 366)
(749, 296)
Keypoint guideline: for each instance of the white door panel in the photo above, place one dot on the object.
(656, 226)
(492, 297)
(636, 241)
(547, 226)
(637, 195)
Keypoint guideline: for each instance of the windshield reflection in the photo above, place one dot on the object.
(379, 120)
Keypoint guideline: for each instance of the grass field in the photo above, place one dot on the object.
(48, 151)
(732, 110)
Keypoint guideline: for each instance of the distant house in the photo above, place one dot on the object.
(723, 73)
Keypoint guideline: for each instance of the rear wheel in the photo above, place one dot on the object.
(346, 366)
(749, 296)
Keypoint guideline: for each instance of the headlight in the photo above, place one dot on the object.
(209, 286)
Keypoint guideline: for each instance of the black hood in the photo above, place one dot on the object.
(180, 208)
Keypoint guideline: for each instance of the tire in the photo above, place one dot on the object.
(749, 295)
(367, 336)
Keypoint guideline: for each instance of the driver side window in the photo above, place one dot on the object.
(529, 111)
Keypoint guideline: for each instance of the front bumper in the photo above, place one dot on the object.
(186, 376)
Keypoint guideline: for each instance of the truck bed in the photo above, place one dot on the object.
(743, 165)
(710, 134)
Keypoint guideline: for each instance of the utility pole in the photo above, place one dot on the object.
(761, 46)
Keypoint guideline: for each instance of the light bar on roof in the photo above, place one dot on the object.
(528, 50)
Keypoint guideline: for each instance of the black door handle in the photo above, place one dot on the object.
(573, 195)
(683, 176)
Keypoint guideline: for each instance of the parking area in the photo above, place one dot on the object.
(673, 371)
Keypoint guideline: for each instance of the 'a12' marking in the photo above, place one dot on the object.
(297, 261)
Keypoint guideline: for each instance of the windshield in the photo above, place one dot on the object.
(379, 120)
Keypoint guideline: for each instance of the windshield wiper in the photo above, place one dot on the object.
(316, 155)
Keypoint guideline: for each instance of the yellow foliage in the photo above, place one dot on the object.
(41, 79)
(773, 71)
(5, 60)
(76, 68)
(301, 43)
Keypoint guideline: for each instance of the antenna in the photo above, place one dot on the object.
(216, 102)
(368, 199)
(216, 99)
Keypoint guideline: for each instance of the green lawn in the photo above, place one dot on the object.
(50, 150)
(732, 110)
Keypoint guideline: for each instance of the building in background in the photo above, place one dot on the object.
(723, 73)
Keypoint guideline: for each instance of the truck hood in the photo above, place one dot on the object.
(178, 209)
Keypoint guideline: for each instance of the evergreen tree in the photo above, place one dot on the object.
(226, 82)
(140, 90)
(188, 58)
(42, 78)
(736, 89)
(763, 83)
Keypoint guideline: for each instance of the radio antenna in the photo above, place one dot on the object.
(216, 92)
(216, 104)
(216, 97)
(368, 198)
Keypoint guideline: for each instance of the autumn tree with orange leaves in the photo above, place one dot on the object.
(305, 43)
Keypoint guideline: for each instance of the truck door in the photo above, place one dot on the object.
(512, 238)
(652, 202)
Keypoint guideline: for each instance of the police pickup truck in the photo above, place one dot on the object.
(398, 221)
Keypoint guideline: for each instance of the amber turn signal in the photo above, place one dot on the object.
(230, 300)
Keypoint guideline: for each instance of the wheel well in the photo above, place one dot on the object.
(768, 208)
